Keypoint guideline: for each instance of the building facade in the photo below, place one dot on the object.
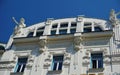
(69, 46)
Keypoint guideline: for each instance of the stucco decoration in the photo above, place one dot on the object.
(113, 17)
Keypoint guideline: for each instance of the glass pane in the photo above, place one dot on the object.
(19, 67)
(88, 29)
(94, 64)
(100, 64)
(30, 34)
(41, 28)
(54, 26)
(55, 66)
(57, 58)
(60, 66)
(39, 33)
(64, 25)
(87, 24)
(63, 31)
(53, 32)
(22, 60)
(73, 24)
(23, 68)
(98, 29)
(72, 30)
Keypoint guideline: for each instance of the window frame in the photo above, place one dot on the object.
(57, 62)
(20, 66)
(98, 59)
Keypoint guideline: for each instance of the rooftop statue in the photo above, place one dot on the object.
(19, 25)
(113, 17)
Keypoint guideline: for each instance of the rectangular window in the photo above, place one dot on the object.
(21, 64)
(30, 34)
(72, 30)
(41, 28)
(53, 32)
(73, 24)
(64, 25)
(88, 29)
(57, 62)
(39, 33)
(97, 29)
(97, 60)
(64, 31)
(54, 26)
(87, 24)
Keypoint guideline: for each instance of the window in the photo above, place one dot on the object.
(21, 64)
(54, 26)
(57, 62)
(88, 29)
(39, 33)
(97, 60)
(30, 34)
(64, 31)
(41, 28)
(87, 24)
(53, 32)
(72, 30)
(98, 29)
(73, 24)
(64, 25)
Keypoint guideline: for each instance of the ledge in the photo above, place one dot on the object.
(54, 72)
(16, 73)
(96, 70)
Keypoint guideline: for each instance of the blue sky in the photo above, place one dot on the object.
(35, 11)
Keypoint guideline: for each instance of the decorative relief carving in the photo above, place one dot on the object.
(86, 61)
(77, 45)
(49, 20)
(67, 58)
(42, 44)
(80, 18)
(7, 65)
(106, 60)
(48, 60)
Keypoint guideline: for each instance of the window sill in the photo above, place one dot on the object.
(96, 70)
(16, 73)
(54, 72)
